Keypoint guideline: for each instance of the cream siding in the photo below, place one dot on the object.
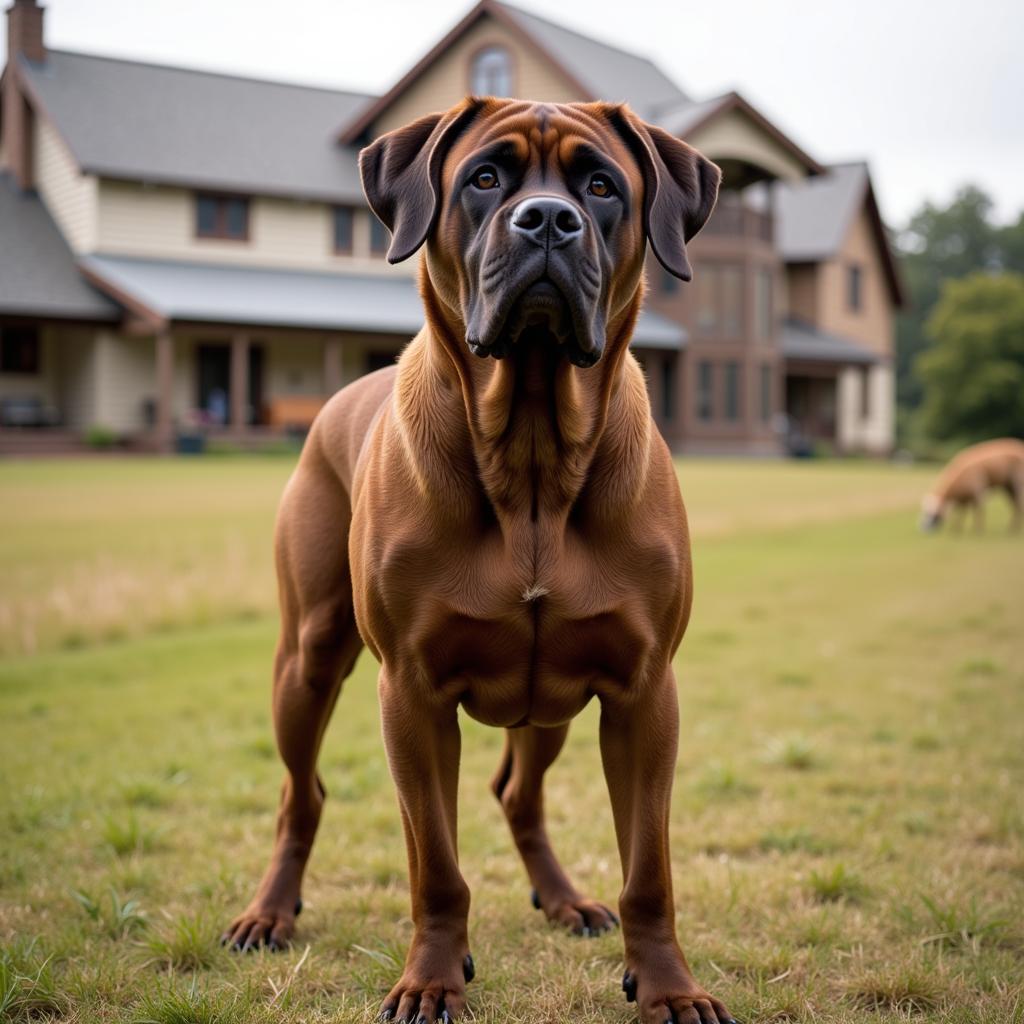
(446, 80)
(69, 195)
(126, 380)
(157, 222)
(734, 136)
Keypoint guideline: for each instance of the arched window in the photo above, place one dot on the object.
(491, 72)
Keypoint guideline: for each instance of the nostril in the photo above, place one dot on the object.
(568, 221)
(528, 219)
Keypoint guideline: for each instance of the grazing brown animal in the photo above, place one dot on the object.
(969, 475)
(499, 521)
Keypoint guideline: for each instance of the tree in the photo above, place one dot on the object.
(938, 244)
(973, 375)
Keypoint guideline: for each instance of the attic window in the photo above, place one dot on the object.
(490, 73)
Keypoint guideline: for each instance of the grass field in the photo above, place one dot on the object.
(848, 821)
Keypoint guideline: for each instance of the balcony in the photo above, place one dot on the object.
(732, 219)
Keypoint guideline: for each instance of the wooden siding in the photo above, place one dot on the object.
(872, 324)
(70, 196)
(446, 81)
(158, 222)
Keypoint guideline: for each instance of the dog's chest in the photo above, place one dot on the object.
(521, 630)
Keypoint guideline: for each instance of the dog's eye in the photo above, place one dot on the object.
(600, 187)
(485, 178)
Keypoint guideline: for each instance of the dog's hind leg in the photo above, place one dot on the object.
(318, 647)
(518, 785)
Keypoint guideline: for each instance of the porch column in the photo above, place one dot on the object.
(240, 381)
(165, 390)
(332, 365)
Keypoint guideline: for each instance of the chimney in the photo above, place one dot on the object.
(25, 30)
(24, 38)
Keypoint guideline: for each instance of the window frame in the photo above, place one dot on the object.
(855, 288)
(220, 231)
(380, 240)
(732, 391)
(8, 342)
(337, 209)
(480, 52)
(704, 379)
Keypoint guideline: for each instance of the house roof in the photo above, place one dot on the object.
(147, 122)
(37, 270)
(814, 216)
(802, 341)
(609, 73)
(162, 291)
(599, 71)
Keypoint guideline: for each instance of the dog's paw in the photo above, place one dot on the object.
(262, 925)
(681, 1001)
(426, 993)
(580, 916)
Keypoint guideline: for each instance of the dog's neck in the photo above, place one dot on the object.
(531, 435)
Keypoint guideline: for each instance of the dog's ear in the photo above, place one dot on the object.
(680, 188)
(401, 174)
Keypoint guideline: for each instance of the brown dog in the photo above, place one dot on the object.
(516, 541)
(969, 475)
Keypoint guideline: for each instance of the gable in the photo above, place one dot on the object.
(446, 78)
(736, 134)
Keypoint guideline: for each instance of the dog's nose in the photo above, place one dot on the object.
(547, 221)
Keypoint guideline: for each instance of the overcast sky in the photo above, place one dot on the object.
(931, 92)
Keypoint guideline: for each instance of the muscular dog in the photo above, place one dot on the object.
(498, 520)
(969, 475)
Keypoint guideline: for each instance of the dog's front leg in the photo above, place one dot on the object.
(639, 735)
(423, 744)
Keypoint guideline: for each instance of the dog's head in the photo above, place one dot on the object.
(536, 215)
(932, 511)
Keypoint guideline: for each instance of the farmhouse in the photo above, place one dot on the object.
(183, 251)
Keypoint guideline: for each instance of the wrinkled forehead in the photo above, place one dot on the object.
(548, 136)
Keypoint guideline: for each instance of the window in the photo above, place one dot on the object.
(731, 294)
(222, 217)
(19, 350)
(706, 280)
(764, 308)
(854, 288)
(491, 72)
(343, 216)
(732, 391)
(378, 236)
(705, 390)
(865, 394)
(766, 393)
(668, 388)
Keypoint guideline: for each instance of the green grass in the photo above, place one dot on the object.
(848, 822)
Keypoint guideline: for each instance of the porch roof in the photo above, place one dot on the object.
(386, 303)
(802, 341)
(37, 271)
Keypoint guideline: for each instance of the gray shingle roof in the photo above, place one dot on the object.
(608, 72)
(173, 125)
(812, 216)
(802, 341)
(213, 293)
(37, 271)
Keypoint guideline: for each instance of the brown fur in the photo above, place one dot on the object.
(963, 484)
(516, 542)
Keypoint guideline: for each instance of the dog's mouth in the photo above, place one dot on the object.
(541, 314)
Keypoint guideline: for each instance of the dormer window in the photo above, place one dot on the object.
(491, 72)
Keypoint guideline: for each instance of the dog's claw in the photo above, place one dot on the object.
(385, 1015)
(535, 899)
(444, 1017)
(298, 907)
(468, 968)
(629, 987)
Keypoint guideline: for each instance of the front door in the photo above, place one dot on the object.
(213, 362)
